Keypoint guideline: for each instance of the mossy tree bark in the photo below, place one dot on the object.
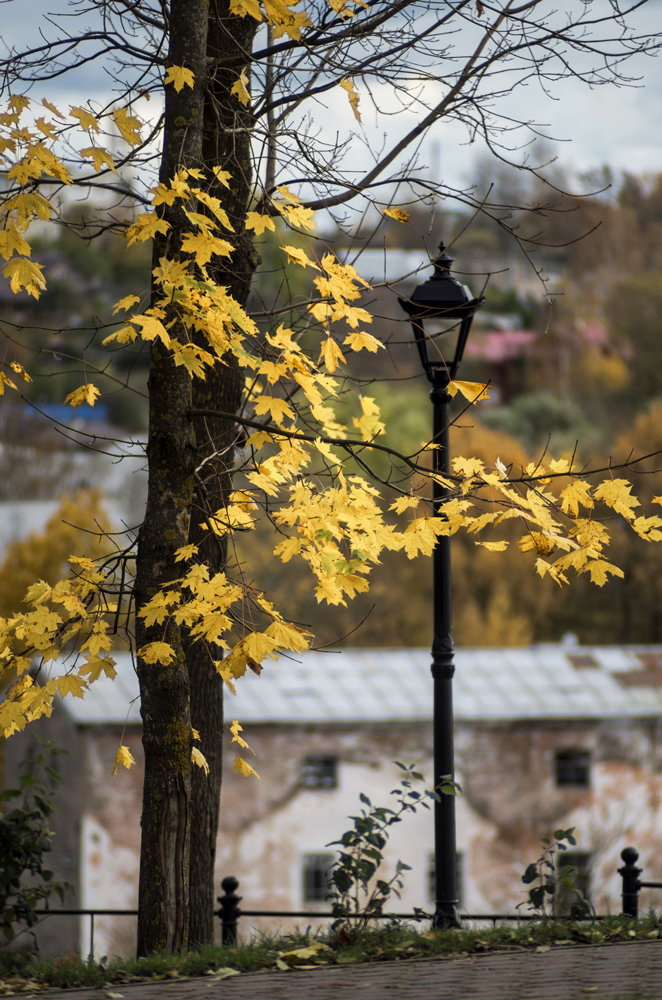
(226, 144)
(163, 920)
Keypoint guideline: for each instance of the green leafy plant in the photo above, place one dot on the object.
(557, 888)
(25, 837)
(355, 894)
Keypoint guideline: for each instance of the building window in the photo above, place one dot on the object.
(581, 861)
(316, 877)
(573, 768)
(459, 877)
(320, 771)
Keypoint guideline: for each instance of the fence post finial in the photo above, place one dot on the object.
(630, 875)
(230, 911)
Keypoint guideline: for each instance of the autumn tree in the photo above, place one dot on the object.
(245, 412)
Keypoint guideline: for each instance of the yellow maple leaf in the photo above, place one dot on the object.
(494, 546)
(222, 176)
(199, 759)
(235, 729)
(353, 95)
(87, 120)
(298, 216)
(123, 758)
(85, 394)
(20, 370)
(128, 125)
(151, 327)
(46, 128)
(288, 195)
(279, 408)
(11, 242)
(51, 107)
(126, 303)
(258, 222)
(288, 636)
(399, 214)
(369, 423)
(205, 246)
(25, 274)
(19, 687)
(101, 157)
(473, 391)
(575, 494)
(240, 88)
(600, 570)
(331, 354)
(156, 652)
(358, 341)
(616, 494)
(95, 666)
(404, 503)
(185, 552)
(648, 528)
(145, 227)
(70, 684)
(243, 767)
(242, 8)
(19, 102)
(191, 357)
(214, 205)
(296, 256)
(126, 335)
(180, 76)
(29, 203)
(172, 272)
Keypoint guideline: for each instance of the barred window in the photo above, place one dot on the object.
(319, 771)
(573, 768)
(316, 876)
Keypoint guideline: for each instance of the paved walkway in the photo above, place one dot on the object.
(603, 972)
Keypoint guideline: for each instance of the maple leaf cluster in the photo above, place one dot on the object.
(300, 455)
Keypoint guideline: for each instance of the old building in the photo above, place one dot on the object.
(550, 736)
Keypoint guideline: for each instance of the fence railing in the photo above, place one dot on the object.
(229, 911)
(631, 881)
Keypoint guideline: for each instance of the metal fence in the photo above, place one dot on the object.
(229, 911)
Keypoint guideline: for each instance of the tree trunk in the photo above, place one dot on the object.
(226, 143)
(163, 918)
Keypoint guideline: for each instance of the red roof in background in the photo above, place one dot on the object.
(501, 345)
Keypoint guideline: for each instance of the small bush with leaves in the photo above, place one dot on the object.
(25, 837)
(353, 896)
(557, 888)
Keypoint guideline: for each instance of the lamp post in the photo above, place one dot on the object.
(442, 297)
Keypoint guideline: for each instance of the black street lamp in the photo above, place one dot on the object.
(442, 297)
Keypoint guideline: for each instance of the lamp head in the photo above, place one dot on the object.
(441, 295)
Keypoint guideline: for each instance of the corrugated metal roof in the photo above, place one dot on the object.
(382, 685)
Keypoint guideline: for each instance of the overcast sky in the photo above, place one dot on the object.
(619, 127)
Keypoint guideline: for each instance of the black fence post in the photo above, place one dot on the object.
(230, 911)
(631, 885)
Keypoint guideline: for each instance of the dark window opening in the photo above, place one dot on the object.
(573, 768)
(581, 879)
(320, 771)
(316, 877)
(459, 877)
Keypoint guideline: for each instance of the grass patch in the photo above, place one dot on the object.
(21, 971)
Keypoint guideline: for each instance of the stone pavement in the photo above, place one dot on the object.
(603, 972)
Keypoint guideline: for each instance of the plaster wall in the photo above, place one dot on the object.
(510, 801)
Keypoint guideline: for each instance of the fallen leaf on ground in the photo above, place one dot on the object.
(223, 973)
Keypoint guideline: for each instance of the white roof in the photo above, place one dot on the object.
(383, 685)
